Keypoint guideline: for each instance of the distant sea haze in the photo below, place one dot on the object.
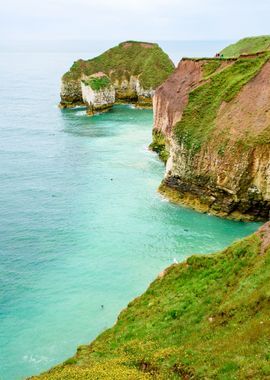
(89, 48)
(81, 222)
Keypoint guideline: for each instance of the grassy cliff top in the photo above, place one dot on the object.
(128, 58)
(249, 45)
(206, 318)
(97, 82)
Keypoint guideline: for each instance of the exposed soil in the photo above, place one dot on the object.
(171, 97)
(250, 110)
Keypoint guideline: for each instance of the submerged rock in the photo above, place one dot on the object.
(135, 70)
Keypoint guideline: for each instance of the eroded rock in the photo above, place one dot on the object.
(217, 130)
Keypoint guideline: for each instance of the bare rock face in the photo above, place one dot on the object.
(217, 130)
(125, 89)
(98, 93)
(171, 97)
(71, 92)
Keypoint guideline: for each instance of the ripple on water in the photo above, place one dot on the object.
(104, 235)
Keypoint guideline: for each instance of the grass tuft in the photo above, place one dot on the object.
(97, 83)
(158, 145)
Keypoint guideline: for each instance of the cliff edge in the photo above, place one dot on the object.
(248, 45)
(206, 318)
(212, 125)
(133, 69)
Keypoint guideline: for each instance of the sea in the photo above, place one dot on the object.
(83, 229)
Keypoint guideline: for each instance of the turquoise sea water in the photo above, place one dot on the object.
(81, 223)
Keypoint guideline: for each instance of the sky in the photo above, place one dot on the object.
(151, 20)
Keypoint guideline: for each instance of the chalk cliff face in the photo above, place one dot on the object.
(98, 93)
(135, 70)
(214, 117)
(71, 92)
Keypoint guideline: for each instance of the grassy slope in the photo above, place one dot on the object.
(247, 45)
(207, 318)
(198, 120)
(128, 58)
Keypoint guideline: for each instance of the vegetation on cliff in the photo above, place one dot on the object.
(158, 145)
(210, 67)
(142, 59)
(97, 83)
(206, 318)
(249, 45)
(198, 119)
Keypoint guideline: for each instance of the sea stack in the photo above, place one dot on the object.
(98, 93)
(127, 73)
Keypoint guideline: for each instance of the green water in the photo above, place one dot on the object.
(81, 223)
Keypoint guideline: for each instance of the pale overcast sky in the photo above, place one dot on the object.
(137, 19)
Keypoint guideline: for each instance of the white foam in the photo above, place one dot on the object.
(163, 199)
(81, 113)
(35, 359)
(78, 107)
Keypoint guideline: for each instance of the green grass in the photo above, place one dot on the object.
(158, 145)
(249, 45)
(198, 120)
(97, 83)
(138, 42)
(210, 67)
(122, 61)
(206, 318)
